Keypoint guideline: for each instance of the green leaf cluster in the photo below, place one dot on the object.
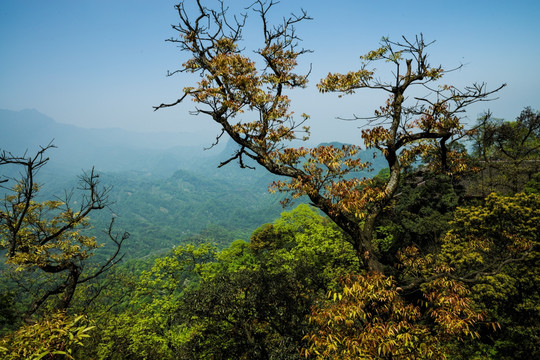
(56, 336)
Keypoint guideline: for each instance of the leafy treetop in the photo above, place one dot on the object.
(246, 95)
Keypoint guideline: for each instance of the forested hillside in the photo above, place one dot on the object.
(418, 242)
(160, 213)
(163, 197)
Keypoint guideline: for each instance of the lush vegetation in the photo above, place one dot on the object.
(435, 257)
(463, 281)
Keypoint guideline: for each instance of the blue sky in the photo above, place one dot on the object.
(102, 63)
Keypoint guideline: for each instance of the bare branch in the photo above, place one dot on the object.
(44, 236)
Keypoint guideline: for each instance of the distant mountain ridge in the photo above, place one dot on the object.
(41, 127)
(106, 149)
(120, 150)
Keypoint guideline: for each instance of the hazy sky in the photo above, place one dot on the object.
(102, 63)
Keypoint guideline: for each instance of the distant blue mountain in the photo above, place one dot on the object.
(115, 150)
(106, 149)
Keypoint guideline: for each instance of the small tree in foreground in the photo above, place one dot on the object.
(45, 248)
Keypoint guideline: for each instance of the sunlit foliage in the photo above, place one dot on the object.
(55, 337)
